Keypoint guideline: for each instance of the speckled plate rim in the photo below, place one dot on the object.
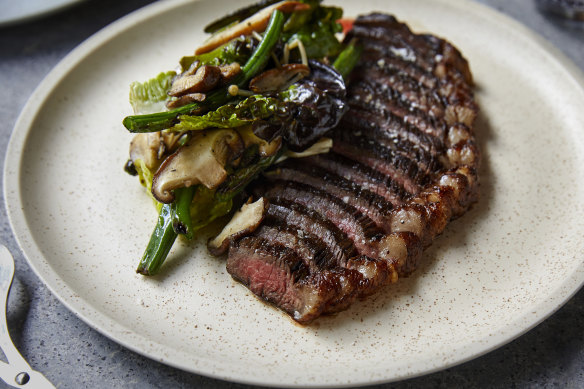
(130, 339)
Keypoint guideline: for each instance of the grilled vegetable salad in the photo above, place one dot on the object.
(266, 85)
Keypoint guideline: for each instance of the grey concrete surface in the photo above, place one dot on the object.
(73, 355)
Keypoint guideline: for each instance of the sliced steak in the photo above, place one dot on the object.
(362, 199)
(361, 175)
(340, 226)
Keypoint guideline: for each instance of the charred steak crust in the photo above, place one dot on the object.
(404, 163)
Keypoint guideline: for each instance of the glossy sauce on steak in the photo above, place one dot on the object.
(404, 162)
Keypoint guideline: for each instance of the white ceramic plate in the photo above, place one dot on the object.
(505, 266)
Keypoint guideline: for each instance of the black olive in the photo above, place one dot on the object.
(130, 168)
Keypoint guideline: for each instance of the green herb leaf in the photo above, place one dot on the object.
(150, 96)
(251, 109)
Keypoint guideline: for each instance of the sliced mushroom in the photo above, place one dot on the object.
(170, 140)
(278, 78)
(192, 69)
(152, 147)
(146, 146)
(186, 99)
(229, 71)
(266, 149)
(205, 78)
(257, 22)
(244, 222)
(201, 160)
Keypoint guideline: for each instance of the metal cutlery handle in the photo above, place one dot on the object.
(17, 372)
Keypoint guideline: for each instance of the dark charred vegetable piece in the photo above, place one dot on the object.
(314, 105)
(348, 59)
(238, 15)
(257, 61)
(321, 105)
(161, 241)
(181, 218)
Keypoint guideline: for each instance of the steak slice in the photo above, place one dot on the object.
(340, 226)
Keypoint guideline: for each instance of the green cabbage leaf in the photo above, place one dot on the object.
(151, 96)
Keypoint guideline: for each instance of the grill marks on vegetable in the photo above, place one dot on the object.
(341, 225)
